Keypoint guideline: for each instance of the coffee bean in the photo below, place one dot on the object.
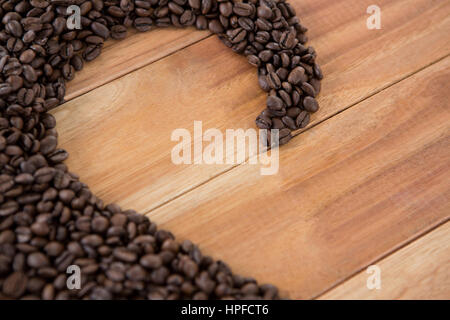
(100, 224)
(151, 261)
(92, 240)
(118, 32)
(40, 229)
(297, 75)
(37, 260)
(15, 285)
(308, 89)
(293, 112)
(243, 9)
(190, 268)
(124, 255)
(310, 104)
(215, 26)
(274, 103)
(265, 55)
(66, 195)
(263, 83)
(48, 144)
(15, 28)
(100, 29)
(273, 80)
(44, 175)
(136, 273)
(263, 24)
(99, 293)
(263, 122)
(54, 248)
(288, 39)
(289, 122)
(264, 12)
(236, 35)
(302, 119)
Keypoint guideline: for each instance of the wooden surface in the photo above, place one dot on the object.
(418, 271)
(368, 176)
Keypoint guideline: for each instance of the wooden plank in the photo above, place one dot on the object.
(119, 134)
(121, 57)
(418, 271)
(348, 192)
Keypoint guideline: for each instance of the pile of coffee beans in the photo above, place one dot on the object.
(49, 220)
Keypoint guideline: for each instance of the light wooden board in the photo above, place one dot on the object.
(348, 191)
(121, 57)
(128, 122)
(418, 271)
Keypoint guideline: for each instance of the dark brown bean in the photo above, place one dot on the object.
(310, 104)
(15, 285)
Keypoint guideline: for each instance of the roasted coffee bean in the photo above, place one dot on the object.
(54, 248)
(151, 261)
(187, 18)
(273, 80)
(284, 136)
(265, 55)
(277, 124)
(48, 144)
(302, 119)
(289, 122)
(263, 24)
(44, 175)
(263, 122)
(308, 89)
(215, 26)
(37, 260)
(264, 12)
(288, 39)
(246, 23)
(274, 103)
(310, 104)
(285, 97)
(124, 255)
(236, 35)
(118, 32)
(243, 9)
(297, 75)
(254, 60)
(15, 28)
(15, 285)
(100, 29)
(293, 112)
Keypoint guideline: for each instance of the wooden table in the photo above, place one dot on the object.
(367, 182)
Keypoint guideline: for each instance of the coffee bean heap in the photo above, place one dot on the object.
(49, 220)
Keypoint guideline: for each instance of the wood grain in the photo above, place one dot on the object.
(119, 134)
(348, 191)
(121, 57)
(418, 271)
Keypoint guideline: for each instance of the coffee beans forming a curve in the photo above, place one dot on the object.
(49, 220)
